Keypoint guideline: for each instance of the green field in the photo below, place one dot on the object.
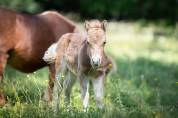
(145, 84)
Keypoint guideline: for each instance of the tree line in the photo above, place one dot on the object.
(110, 9)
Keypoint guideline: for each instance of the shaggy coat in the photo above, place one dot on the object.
(74, 54)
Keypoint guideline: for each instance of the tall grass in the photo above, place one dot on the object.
(144, 86)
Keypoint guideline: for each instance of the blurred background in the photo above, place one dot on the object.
(109, 9)
(143, 42)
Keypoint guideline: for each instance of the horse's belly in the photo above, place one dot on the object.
(25, 65)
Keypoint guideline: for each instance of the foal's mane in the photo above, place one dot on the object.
(96, 24)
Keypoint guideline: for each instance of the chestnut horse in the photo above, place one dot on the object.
(24, 38)
(82, 56)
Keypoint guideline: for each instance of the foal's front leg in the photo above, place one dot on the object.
(68, 84)
(98, 87)
(84, 85)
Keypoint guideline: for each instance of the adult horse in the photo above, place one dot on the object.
(24, 38)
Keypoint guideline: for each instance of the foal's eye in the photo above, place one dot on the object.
(104, 43)
(88, 43)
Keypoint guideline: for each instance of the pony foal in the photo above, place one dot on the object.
(81, 55)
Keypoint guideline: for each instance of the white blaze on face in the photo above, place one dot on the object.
(96, 60)
(96, 40)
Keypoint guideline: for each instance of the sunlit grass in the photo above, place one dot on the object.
(125, 40)
(144, 85)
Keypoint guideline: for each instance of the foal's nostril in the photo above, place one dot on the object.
(96, 61)
(96, 64)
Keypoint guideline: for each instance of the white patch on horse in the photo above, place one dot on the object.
(50, 54)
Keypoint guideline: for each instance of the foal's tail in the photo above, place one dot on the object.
(50, 54)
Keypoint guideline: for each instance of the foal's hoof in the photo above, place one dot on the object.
(100, 106)
(46, 97)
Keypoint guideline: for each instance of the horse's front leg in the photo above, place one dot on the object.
(98, 87)
(84, 85)
(3, 61)
(48, 93)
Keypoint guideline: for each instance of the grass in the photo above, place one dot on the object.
(144, 86)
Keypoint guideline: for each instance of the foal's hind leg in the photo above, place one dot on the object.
(68, 84)
(3, 61)
(48, 93)
(61, 70)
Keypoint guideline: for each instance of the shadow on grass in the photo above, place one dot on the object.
(23, 87)
(146, 87)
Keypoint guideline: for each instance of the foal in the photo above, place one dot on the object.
(82, 56)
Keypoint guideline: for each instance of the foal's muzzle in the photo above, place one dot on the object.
(95, 61)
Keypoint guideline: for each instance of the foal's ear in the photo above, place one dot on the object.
(87, 25)
(104, 24)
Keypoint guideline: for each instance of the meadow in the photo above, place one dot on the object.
(144, 83)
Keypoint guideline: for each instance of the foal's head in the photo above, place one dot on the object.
(96, 40)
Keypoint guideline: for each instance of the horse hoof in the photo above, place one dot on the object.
(2, 100)
(1, 79)
(2, 103)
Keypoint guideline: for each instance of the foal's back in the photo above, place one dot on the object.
(76, 42)
(70, 44)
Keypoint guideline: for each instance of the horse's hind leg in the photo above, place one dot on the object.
(48, 93)
(68, 84)
(3, 61)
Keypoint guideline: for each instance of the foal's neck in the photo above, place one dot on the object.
(84, 59)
